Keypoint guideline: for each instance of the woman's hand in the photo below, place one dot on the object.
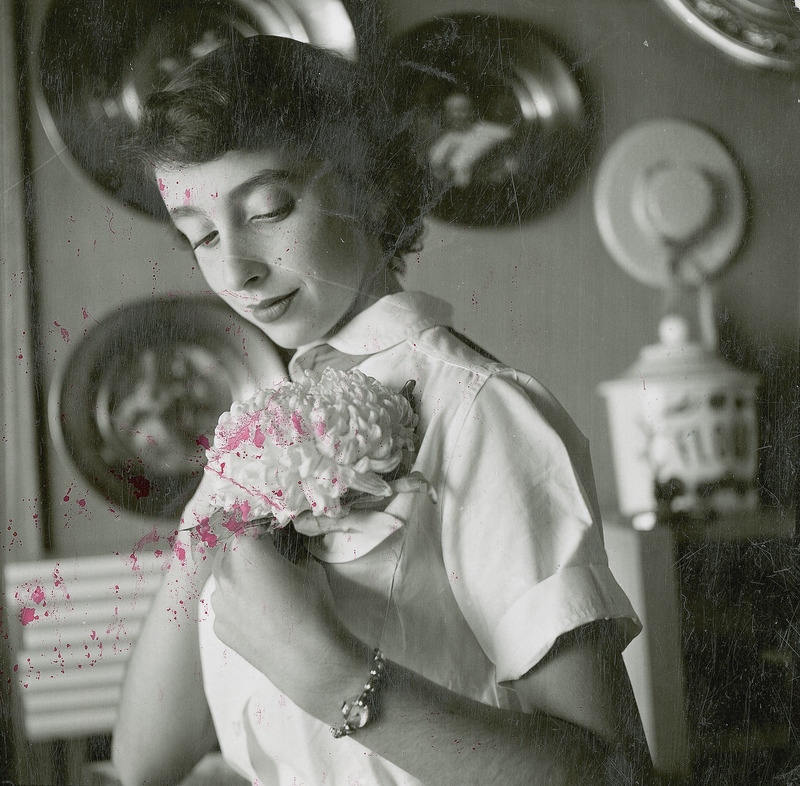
(280, 617)
(259, 592)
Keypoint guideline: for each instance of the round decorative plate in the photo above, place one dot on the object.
(139, 397)
(761, 33)
(98, 62)
(670, 203)
(504, 119)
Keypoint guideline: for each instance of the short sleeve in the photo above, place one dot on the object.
(522, 542)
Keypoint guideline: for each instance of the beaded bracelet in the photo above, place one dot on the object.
(359, 710)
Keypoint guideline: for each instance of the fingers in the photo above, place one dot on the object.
(308, 524)
(243, 555)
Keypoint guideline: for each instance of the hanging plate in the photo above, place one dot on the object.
(503, 117)
(138, 400)
(670, 203)
(98, 62)
(761, 33)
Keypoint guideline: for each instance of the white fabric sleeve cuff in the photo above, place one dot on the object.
(572, 597)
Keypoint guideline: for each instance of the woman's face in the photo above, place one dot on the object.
(272, 241)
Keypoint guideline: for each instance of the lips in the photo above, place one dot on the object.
(269, 310)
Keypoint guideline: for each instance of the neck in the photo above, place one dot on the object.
(383, 283)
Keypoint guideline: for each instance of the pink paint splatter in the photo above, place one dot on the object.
(150, 537)
(241, 435)
(179, 550)
(187, 197)
(141, 486)
(26, 616)
(202, 440)
(82, 503)
(238, 517)
(161, 185)
(258, 438)
(37, 596)
(87, 315)
(64, 333)
(297, 422)
(205, 533)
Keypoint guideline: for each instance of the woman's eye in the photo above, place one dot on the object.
(208, 240)
(276, 208)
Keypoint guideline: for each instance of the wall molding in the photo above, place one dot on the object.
(20, 435)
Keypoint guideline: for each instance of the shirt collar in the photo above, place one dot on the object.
(390, 321)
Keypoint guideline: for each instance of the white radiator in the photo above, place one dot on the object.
(73, 624)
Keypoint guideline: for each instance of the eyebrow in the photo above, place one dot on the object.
(266, 177)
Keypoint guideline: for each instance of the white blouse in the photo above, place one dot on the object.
(469, 591)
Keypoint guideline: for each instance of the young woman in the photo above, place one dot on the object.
(501, 624)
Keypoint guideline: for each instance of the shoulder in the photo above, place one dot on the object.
(497, 416)
(492, 389)
(444, 346)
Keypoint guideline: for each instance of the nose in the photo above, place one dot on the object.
(244, 260)
(243, 273)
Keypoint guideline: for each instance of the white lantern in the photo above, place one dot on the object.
(684, 430)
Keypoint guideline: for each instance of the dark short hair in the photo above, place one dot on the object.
(266, 92)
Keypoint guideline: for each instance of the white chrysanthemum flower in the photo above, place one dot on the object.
(302, 446)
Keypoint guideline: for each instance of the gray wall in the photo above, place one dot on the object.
(544, 296)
